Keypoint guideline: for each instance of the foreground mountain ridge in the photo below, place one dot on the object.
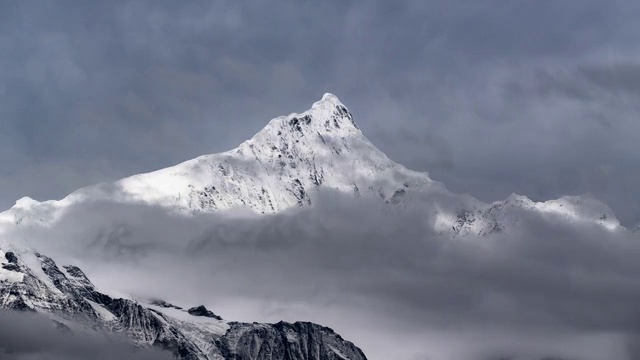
(32, 282)
(289, 161)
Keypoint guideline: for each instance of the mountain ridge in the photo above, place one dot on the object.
(70, 300)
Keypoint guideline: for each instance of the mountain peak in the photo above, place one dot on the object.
(331, 102)
(280, 167)
(328, 115)
(326, 126)
(25, 202)
(330, 99)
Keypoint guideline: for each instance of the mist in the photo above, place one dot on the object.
(29, 336)
(378, 275)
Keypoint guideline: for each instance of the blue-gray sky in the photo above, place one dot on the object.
(491, 97)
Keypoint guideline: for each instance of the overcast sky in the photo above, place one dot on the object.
(491, 97)
(539, 98)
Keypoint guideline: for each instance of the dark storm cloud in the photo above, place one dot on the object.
(27, 336)
(491, 97)
(379, 276)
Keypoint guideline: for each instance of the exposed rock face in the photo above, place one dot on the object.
(11, 257)
(34, 282)
(71, 299)
(203, 311)
(301, 340)
(165, 304)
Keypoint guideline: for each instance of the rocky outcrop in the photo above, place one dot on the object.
(285, 341)
(31, 281)
(203, 311)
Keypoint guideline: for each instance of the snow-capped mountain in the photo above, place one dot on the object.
(279, 168)
(287, 162)
(282, 167)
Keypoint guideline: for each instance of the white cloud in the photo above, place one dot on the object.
(380, 278)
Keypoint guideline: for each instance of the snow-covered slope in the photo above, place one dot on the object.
(287, 162)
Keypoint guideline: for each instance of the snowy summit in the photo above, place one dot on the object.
(288, 161)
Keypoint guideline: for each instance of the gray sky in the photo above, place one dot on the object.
(491, 97)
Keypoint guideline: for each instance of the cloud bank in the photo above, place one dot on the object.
(379, 276)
